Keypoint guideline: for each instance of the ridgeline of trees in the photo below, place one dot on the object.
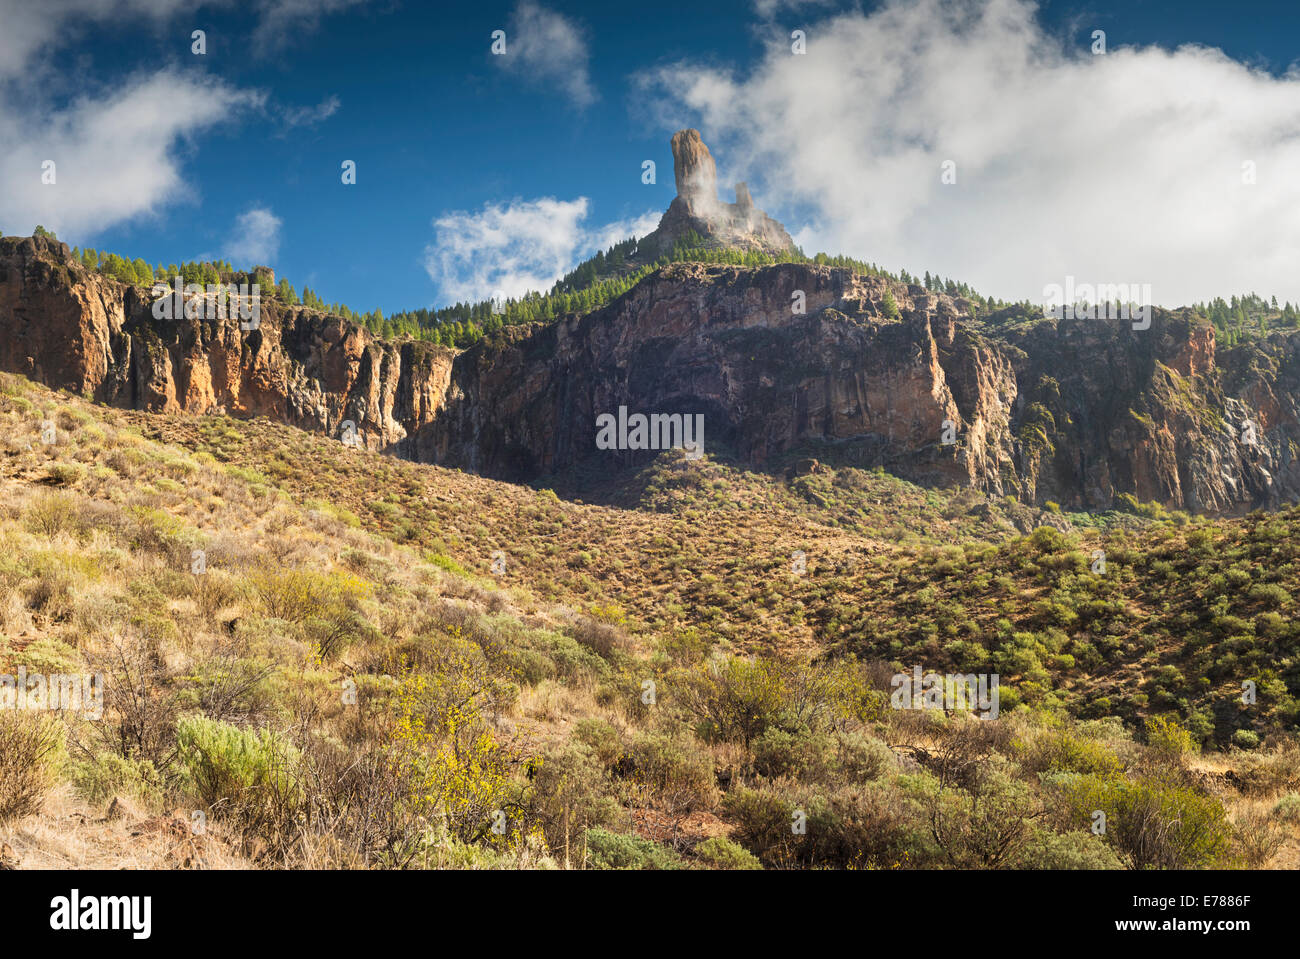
(1237, 319)
(611, 273)
(591, 285)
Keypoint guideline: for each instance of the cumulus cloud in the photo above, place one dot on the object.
(548, 48)
(518, 247)
(114, 158)
(255, 239)
(116, 153)
(1127, 167)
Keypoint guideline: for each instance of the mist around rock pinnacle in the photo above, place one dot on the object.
(698, 209)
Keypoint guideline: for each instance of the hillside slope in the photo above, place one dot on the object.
(644, 685)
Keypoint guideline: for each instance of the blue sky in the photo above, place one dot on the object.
(477, 172)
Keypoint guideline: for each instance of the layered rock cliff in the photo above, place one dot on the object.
(77, 330)
(1076, 411)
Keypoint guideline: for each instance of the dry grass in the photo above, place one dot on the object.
(68, 834)
(349, 607)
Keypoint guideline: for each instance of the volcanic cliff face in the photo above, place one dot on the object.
(792, 358)
(1075, 411)
(77, 330)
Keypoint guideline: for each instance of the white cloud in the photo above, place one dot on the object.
(115, 158)
(255, 240)
(116, 154)
(32, 27)
(1118, 168)
(547, 47)
(769, 8)
(603, 237)
(282, 20)
(310, 116)
(517, 247)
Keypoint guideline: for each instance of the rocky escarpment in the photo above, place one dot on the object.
(870, 373)
(77, 330)
(1075, 411)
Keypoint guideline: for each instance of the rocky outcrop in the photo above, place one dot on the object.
(1105, 410)
(695, 173)
(869, 373)
(697, 209)
(80, 331)
(1076, 411)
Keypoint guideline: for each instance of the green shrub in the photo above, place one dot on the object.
(781, 753)
(612, 850)
(1068, 752)
(1288, 808)
(985, 825)
(861, 826)
(721, 853)
(48, 655)
(64, 474)
(602, 738)
(861, 758)
(568, 796)
(52, 513)
(326, 605)
(107, 775)
(447, 563)
(242, 768)
(736, 699)
(1168, 740)
(529, 666)
(570, 658)
(853, 826)
(159, 531)
(1152, 824)
(677, 769)
(1270, 594)
(1071, 850)
(1245, 739)
(763, 823)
